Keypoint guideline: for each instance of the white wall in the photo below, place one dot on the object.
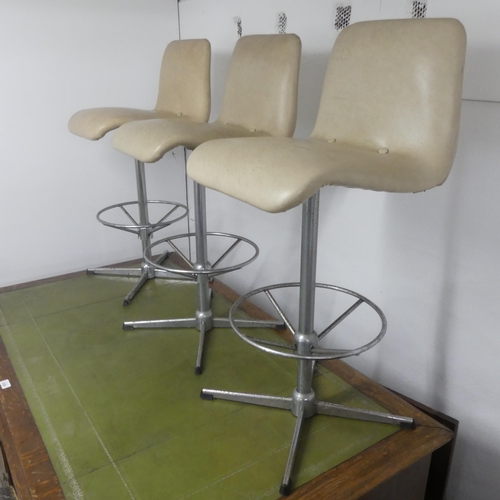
(480, 19)
(56, 57)
(428, 260)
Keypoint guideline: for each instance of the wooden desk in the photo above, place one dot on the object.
(396, 468)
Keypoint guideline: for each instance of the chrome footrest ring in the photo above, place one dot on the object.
(212, 270)
(316, 353)
(133, 226)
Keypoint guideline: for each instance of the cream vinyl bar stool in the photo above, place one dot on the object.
(184, 94)
(388, 121)
(260, 99)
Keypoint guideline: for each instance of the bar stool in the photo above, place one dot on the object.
(260, 99)
(184, 94)
(388, 121)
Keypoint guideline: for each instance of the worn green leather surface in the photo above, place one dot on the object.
(120, 412)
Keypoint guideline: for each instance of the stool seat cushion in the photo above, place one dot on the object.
(260, 99)
(388, 120)
(184, 90)
(276, 174)
(95, 123)
(149, 140)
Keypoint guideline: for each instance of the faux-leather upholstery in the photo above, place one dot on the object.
(388, 121)
(184, 91)
(260, 99)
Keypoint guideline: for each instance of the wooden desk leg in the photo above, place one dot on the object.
(409, 484)
(441, 460)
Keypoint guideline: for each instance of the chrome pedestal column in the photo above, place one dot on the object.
(303, 403)
(203, 320)
(144, 229)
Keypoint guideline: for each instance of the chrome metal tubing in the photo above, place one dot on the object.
(279, 311)
(116, 271)
(243, 397)
(198, 369)
(200, 224)
(180, 254)
(210, 271)
(308, 253)
(317, 353)
(160, 323)
(130, 295)
(142, 199)
(247, 323)
(134, 226)
(281, 345)
(204, 313)
(339, 320)
(144, 229)
(203, 319)
(306, 338)
(159, 260)
(145, 273)
(286, 483)
(132, 272)
(303, 403)
(335, 410)
(305, 406)
(204, 294)
(194, 322)
(227, 252)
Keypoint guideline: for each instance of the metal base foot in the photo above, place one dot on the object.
(286, 489)
(411, 426)
(205, 396)
(302, 406)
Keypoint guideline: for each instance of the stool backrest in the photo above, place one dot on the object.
(185, 79)
(262, 84)
(398, 85)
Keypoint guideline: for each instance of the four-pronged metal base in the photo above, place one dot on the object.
(305, 406)
(204, 271)
(140, 224)
(202, 322)
(305, 348)
(145, 273)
